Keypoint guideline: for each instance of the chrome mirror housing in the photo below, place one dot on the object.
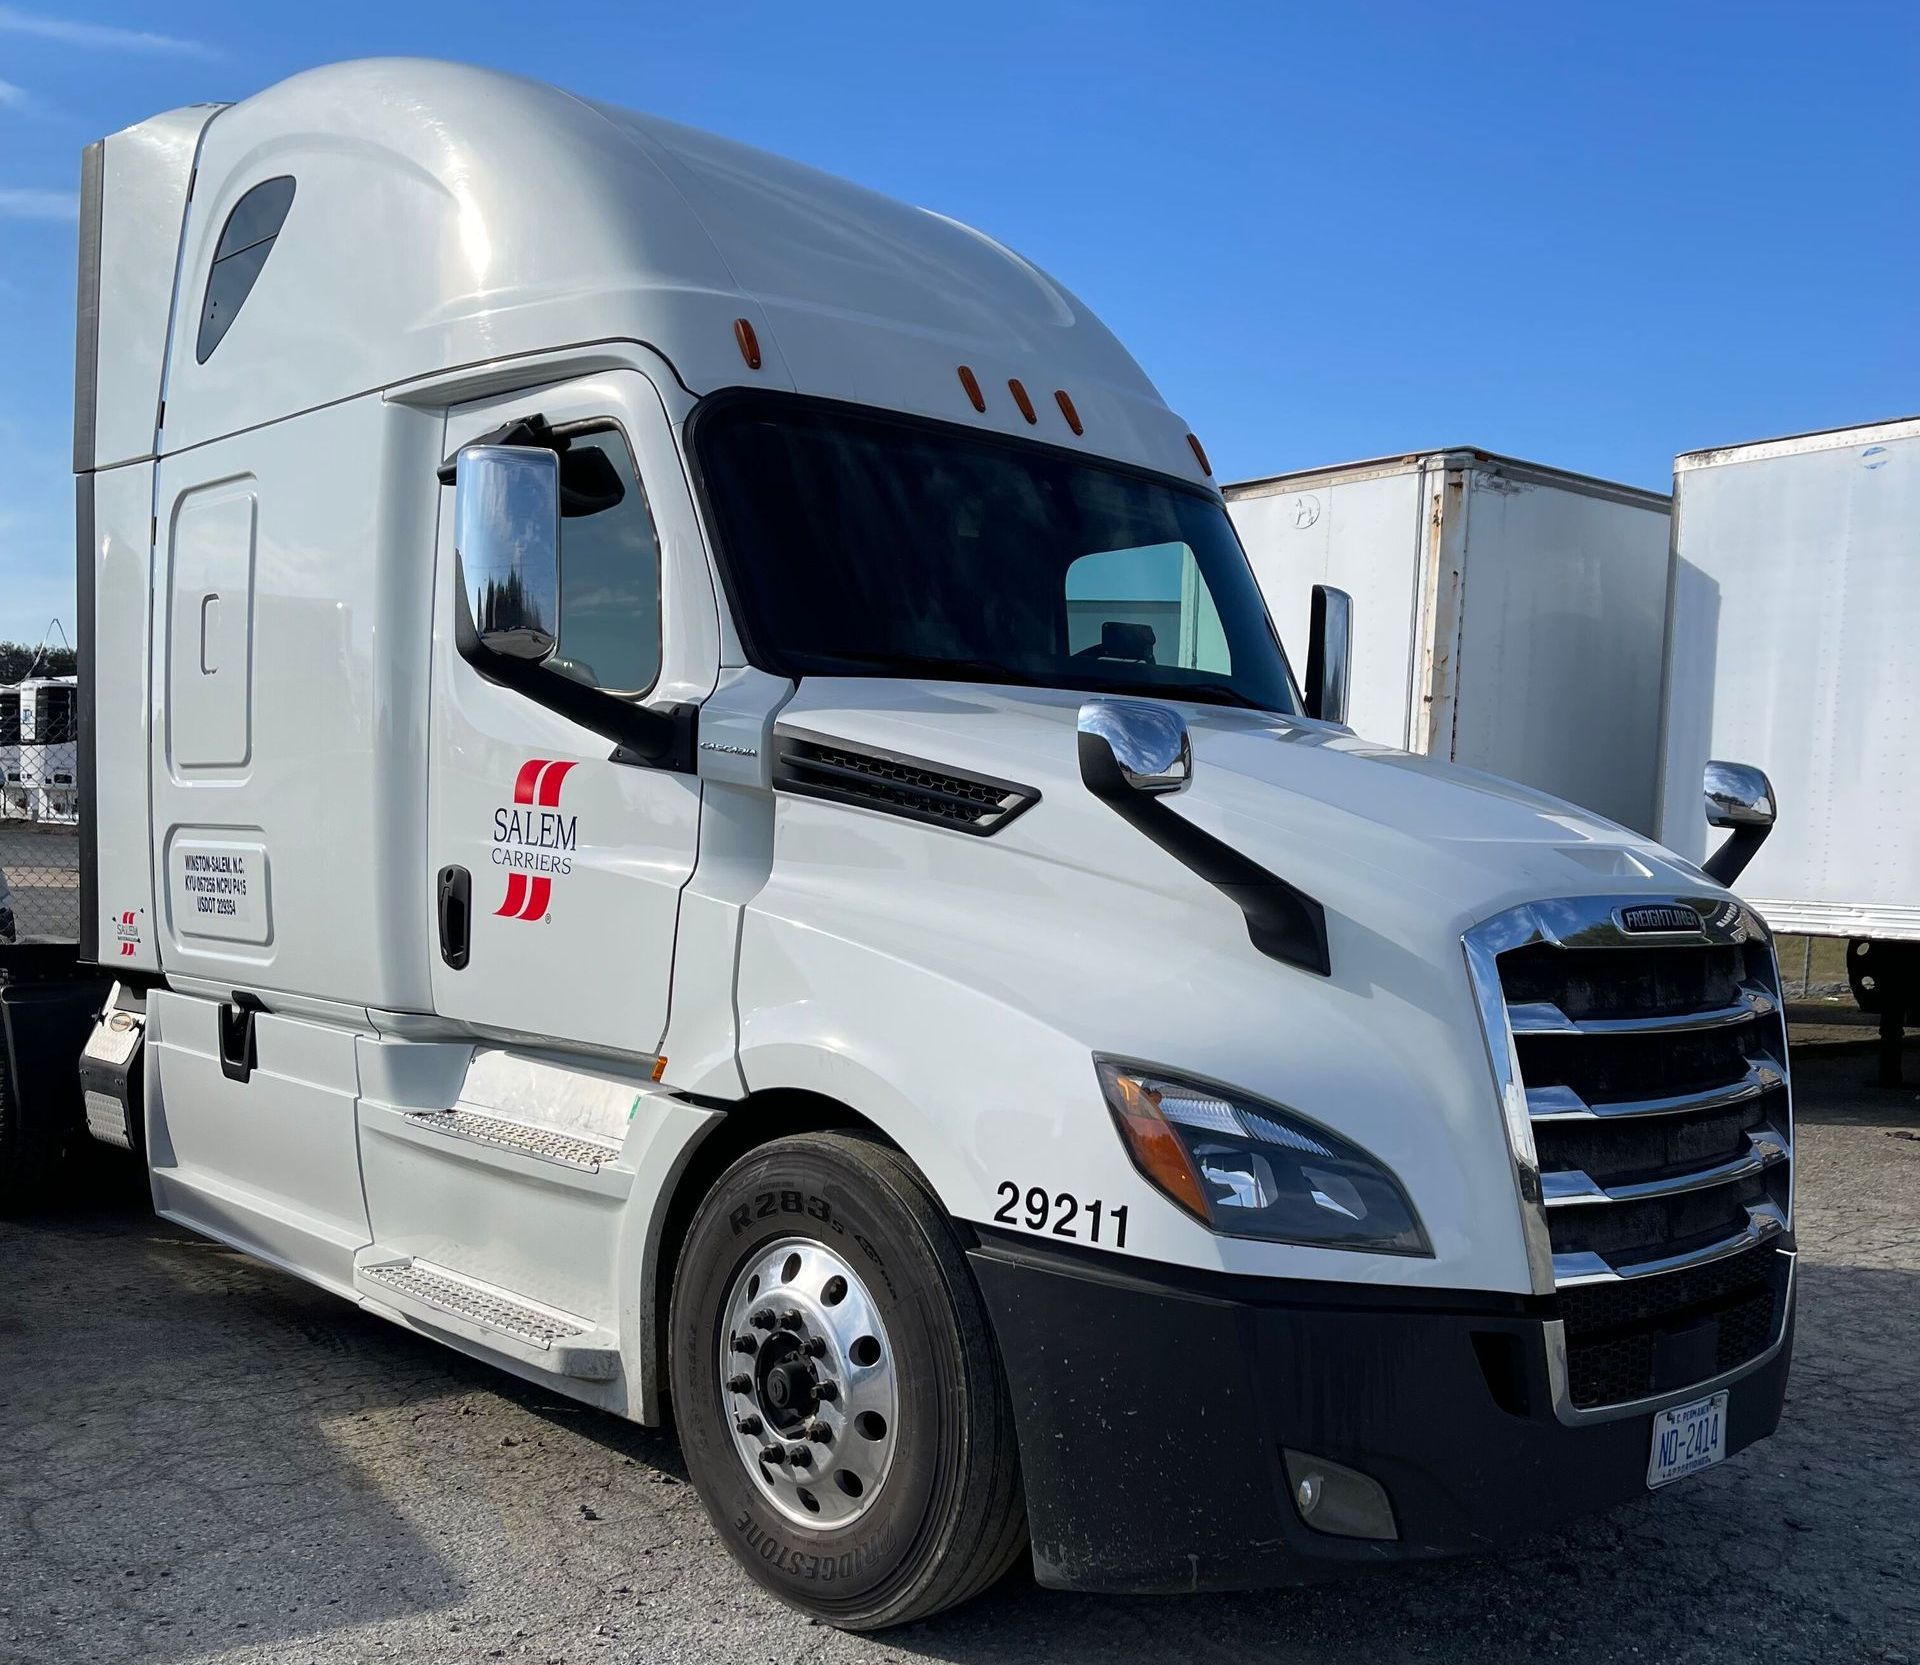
(1147, 743)
(1329, 654)
(1738, 795)
(506, 538)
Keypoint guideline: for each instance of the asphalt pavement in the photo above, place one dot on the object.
(202, 1458)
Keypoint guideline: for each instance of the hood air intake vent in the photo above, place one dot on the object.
(819, 767)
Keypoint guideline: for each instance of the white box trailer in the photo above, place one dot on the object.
(1508, 616)
(1795, 645)
(43, 769)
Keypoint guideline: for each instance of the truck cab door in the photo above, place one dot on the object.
(557, 865)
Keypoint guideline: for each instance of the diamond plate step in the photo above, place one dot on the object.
(484, 1307)
(542, 1143)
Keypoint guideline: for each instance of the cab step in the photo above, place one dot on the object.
(438, 1298)
(544, 1144)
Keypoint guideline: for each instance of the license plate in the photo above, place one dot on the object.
(1688, 1438)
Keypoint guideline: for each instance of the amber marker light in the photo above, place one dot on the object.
(1200, 456)
(1020, 398)
(749, 342)
(1157, 1151)
(973, 389)
(659, 1068)
(1067, 410)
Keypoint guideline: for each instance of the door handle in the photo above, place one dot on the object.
(209, 618)
(456, 916)
(239, 1050)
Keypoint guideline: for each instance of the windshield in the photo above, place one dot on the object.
(864, 545)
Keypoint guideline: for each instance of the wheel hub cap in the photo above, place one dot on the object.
(808, 1382)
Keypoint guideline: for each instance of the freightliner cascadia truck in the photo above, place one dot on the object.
(688, 791)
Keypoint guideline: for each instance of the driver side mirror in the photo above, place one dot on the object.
(508, 500)
(1329, 654)
(506, 538)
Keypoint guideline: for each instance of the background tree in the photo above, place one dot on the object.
(19, 660)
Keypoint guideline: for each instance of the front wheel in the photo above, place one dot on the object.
(839, 1398)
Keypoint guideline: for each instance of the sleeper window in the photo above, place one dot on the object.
(245, 242)
(609, 570)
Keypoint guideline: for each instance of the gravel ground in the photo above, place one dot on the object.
(202, 1459)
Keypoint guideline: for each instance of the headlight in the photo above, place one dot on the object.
(1247, 1168)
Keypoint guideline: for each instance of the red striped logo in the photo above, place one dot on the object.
(533, 840)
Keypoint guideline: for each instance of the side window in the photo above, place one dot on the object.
(609, 569)
(245, 242)
(1150, 605)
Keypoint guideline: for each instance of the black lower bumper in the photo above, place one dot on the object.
(1153, 1412)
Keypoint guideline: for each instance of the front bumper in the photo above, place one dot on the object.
(1154, 1405)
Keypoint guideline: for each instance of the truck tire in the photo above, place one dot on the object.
(838, 1392)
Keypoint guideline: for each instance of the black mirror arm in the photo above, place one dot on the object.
(533, 430)
(1729, 861)
(1283, 922)
(641, 735)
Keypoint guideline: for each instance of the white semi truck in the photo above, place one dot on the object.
(690, 793)
(1795, 637)
(1511, 616)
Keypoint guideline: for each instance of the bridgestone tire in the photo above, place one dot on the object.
(950, 1518)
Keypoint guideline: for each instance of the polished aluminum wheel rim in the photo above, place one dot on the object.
(808, 1383)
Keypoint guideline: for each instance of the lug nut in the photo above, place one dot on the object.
(746, 1344)
(763, 1319)
(790, 1319)
(748, 1425)
(827, 1391)
(819, 1432)
(815, 1347)
(740, 1384)
(800, 1457)
(776, 1454)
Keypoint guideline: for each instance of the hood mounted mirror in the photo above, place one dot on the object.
(1146, 745)
(1738, 797)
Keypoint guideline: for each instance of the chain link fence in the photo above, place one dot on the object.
(39, 813)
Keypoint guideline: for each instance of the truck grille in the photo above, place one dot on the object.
(1646, 1090)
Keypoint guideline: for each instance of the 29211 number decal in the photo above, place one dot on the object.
(1060, 1214)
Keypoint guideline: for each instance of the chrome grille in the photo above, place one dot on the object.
(1644, 1079)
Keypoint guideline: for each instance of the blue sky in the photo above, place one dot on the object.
(1590, 235)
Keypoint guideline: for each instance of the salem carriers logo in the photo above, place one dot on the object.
(533, 839)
